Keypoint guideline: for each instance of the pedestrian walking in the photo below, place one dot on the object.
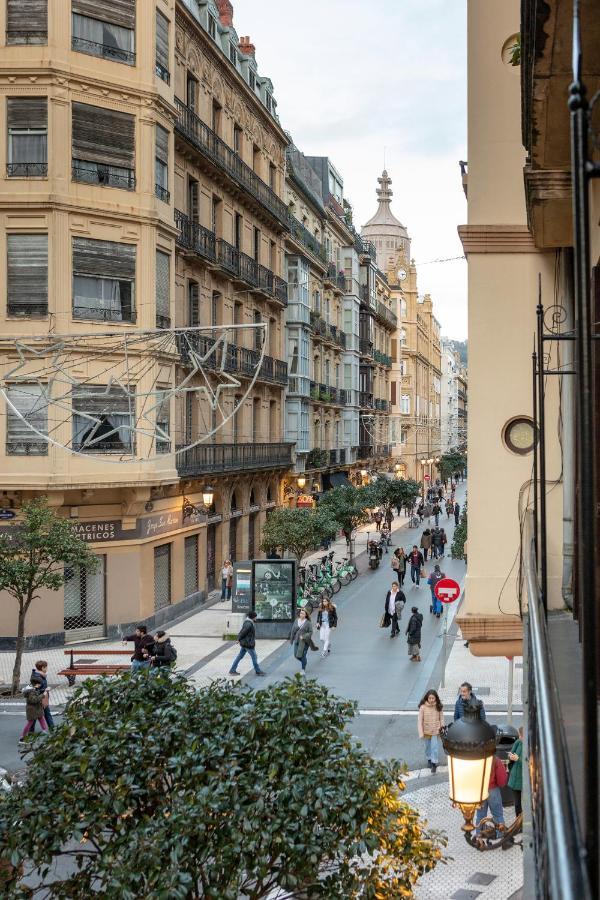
(427, 512)
(327, 618)
(301, 638)
(442, 551)
(449, 508)
(413, 633)
(426, 543)
(389, 518)
(143, 647)
(394, 604)
(436, 509)
(456, 513)
(436, 605)
(421, 512)
(466, 695)
(429, 723)
(226, 580)
(416, 565)
(399, 564)
(34, 708)
(436, 542)
(39, 677)
(247, 641)
(377, 518)
(498, 780)
(164, 654)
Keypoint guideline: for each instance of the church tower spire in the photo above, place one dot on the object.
(387, 233)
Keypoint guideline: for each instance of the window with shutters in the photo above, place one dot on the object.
(162, 164)
(103, 280)
(163, 306)
(27, 274)
(162, 576)
(103, 146)
(162, 47)
(191, 565)
(26, 21)
(193, 201)
(405, 404)
(163, 421)
(393, 393)
(104, 28)
(26, 420)
(27, 127)
(212, 27)
(103, 418)
(193, 304)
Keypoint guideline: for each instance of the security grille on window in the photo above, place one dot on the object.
(27, 274)
(191, 565)
(85, 602)
(163, 310)
(163, 422)
(103, 280)
(27, 125)
(105, 28)
(162, 576)
(27, 21)
(162, 163)
(103, 418)
(26, 410)
(103, 146)
(162, 47)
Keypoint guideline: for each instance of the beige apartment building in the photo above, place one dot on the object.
(142, 188)
(415, 379)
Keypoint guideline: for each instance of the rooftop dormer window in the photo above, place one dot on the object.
(212, 28)
(233, 56)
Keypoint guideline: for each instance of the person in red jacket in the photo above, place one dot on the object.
(498, 779)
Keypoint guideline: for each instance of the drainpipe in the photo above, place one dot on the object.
(567, 404)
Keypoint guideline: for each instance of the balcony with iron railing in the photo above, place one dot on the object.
(27, 170)
(215, 151)
(104, 51)
(206, 459)
(87, 172)
(382, 358)
(382, 405)
(162, 193)
(195, 237)
(366, 400)
(300, 232)
(250, 272)
(324, 393)
(366, 347)
(386, 316)
(238, 360)
(335, 278)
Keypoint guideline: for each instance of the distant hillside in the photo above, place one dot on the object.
(463, 349)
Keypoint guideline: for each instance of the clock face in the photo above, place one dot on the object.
(519, 435)
(402, 274)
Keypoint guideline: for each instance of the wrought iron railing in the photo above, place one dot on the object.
(238, 360)
(27, 448)
(366, 347)
(209, 458)
(108, 176)
(366, 400)
(104, 51)
(324, 393)
(386, 316)
(26, 37)
(162, 193)
(162, 72)
(195, 237)
(221, 155)
(163, 321)
(27, 170)
(302, 234)
(558, 847)
(104, 315)
(382, 358)
(26, 310)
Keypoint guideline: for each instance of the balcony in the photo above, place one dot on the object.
(27, 170)
(104, 315)
(195, 237)
(251, 273)
(27, 448)
(301, 233)
(366, 400)
(381, 451)
(88, 172)
(366, 296)
(387, 318)
(366, 347)
(28, 310)
(364, 248)
(334, 278)
(104, 51)
(162, 72)
(225, 160)
(382, 358)
(382, 405)
(207, 459)
(239, 360)
(323, 393)
(162, 193)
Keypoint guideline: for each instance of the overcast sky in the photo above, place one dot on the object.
(352, 78)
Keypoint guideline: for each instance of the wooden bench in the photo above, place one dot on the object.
(74, 669)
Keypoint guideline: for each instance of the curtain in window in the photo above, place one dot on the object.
(26, 21)
(118, 12)
(103, 136)
(27, 271)
(162, 40)
(162, 157)
(162, 284)
(27, 121)
(103, 279)
(163, 423)
(112, 41)
(32, 413)
(103, 418)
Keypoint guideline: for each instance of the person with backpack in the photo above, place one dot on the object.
(34, 708)
(377, 518)
(164, 653)
(436, 605)
(449, 508)
(247, 641)
(413, 632)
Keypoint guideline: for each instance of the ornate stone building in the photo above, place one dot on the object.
(454, 399)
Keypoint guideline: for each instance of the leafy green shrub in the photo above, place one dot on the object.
(460, 535)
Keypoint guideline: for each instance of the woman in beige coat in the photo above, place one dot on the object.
(430, 722)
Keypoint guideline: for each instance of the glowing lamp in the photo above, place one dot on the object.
(470, 745)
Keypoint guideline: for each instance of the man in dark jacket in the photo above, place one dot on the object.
(456, 513)
(143, 647)
(465, 696)
(164, 653)
(247, 642)
(413, 632)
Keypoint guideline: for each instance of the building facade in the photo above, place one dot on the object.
(453, 399)
(143, 189)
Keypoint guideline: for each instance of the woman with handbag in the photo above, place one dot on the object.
(327, 618)
(301, 638)
(430, 723)
(226, 580)
(399, 564)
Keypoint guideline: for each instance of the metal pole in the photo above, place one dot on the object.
(586, 518)
(542, 452)
(511, 675)
(444, 639)
(535, 463)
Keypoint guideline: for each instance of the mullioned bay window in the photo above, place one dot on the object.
(27, 125)
(27, 275)
(103, 418)
(26, 420)
(103, 280)
(104, 28)
(26, 21)
(103, 146)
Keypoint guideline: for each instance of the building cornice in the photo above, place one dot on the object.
(496, 239)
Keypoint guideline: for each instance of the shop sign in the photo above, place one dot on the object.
(305, 501)
(102, 532)
(7, 514)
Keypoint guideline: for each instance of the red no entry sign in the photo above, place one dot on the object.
(447, 590)
(426, 477)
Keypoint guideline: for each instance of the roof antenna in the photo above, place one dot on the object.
(384, 149)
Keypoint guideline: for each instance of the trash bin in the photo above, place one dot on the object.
(506, 735)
